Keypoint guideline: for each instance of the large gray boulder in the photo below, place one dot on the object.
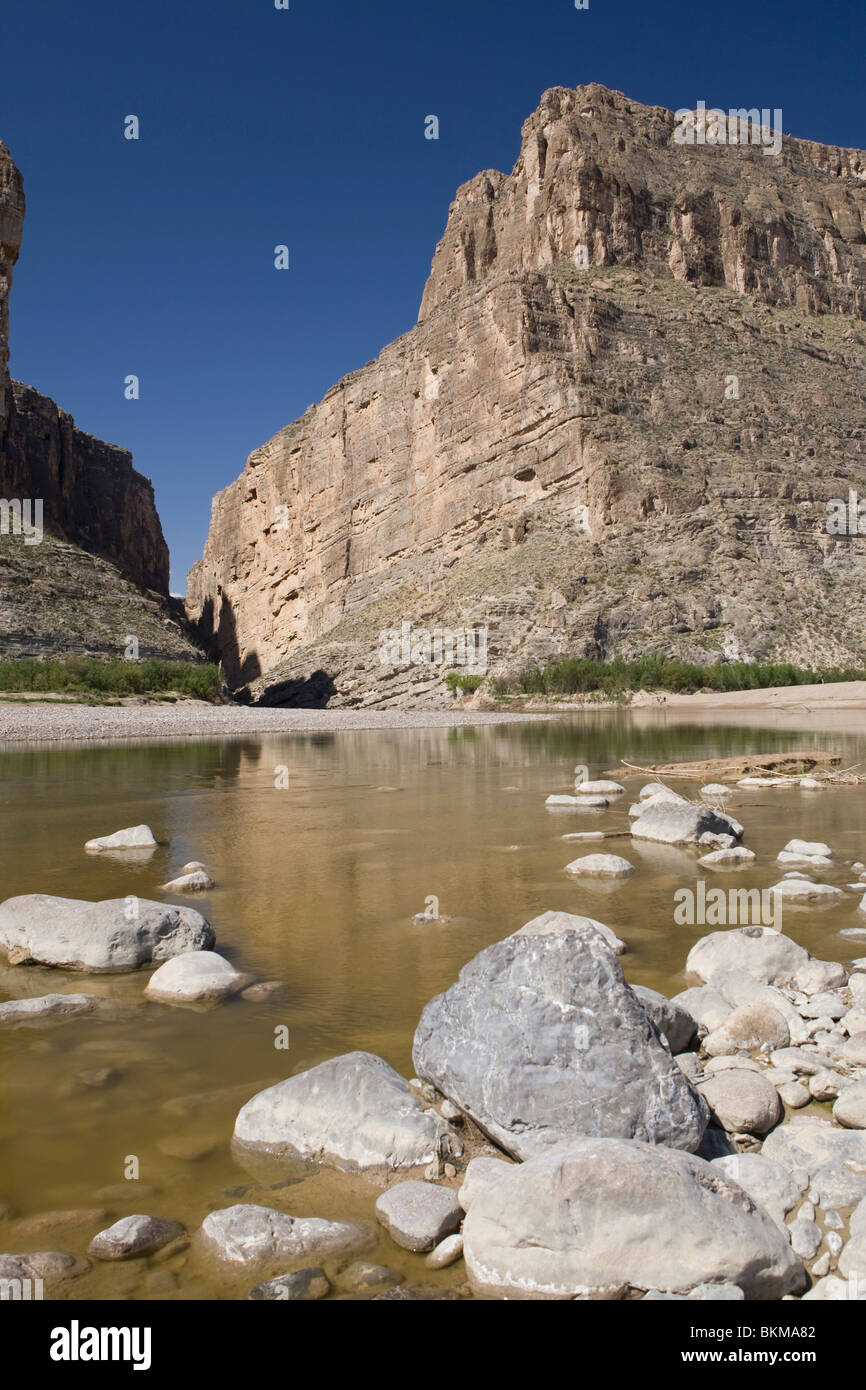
(102, 938)
(541, 1040)
(352, 1112)
(672, 820)
(604, 1215)
(767, 955)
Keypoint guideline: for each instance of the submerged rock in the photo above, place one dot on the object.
(52, 1266)
(735, 858)
(253, 1235)
(808, 849)
(803, 890)
(583, 802)
(601, 1216)
(196, 881)
(133, 1236)
(541, 1039)
(352, 1112)
(47, 1008)
(600, 866)
(102, 938)
(302, 1286)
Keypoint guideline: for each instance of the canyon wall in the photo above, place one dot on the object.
(635, 383)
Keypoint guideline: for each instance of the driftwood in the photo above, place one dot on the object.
(823, 766)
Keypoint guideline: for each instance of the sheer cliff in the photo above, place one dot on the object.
(635, 384)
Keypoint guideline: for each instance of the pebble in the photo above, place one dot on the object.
(302, 1286)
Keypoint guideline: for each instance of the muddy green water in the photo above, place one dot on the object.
(316, 885)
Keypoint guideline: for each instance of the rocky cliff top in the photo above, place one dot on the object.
(604, 180)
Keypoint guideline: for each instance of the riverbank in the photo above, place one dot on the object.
(35, 721)
(841, 695)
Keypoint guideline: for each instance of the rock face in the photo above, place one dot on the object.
(634, 384)
(352, 1112)
(102, 567)
(541, 1040)
(101, 938)
(604, 1215)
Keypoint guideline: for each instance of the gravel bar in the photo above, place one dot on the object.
(36, 722)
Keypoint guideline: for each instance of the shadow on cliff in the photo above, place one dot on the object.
(220, 641)
(307, 692)
(221, 644)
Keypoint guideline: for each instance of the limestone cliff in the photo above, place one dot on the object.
(101, 572)
(635, 383)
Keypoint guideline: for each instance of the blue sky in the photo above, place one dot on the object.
(306, 127)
